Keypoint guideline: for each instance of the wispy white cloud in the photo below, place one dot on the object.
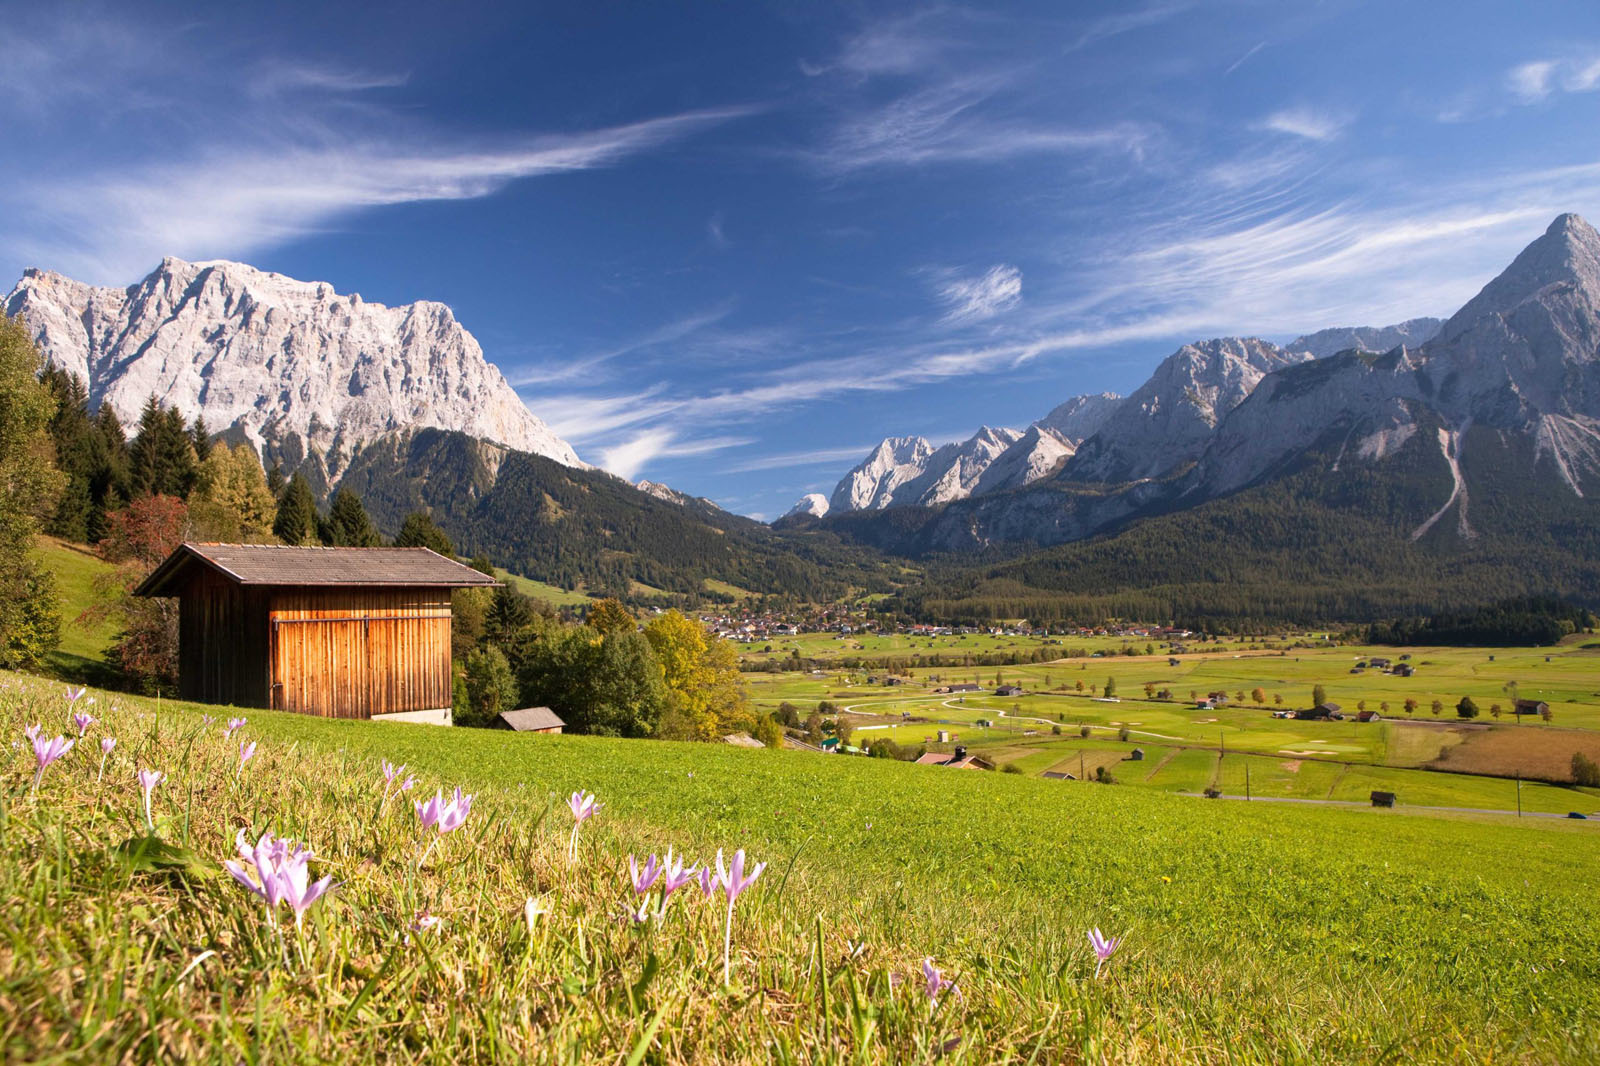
(890, 47)
(950, 122)
(1533, 81)
(793, 460)
(1313, 124)
(1116, 25)
(279, 78)
(973, 299)
(564, 370)
(229, 201)
(1237, 63)
(629, 459)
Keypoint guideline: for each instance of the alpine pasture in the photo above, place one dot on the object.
(1248, 933)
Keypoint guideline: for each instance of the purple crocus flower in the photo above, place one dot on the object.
(247, 751)
(673, 876)
(583, 805)
(206, 721)
(148, 780)
(708, 882)
(83, 720)
(391, 771)
(32, 731)
(75, 694)
(445, 815)
(733, 881)
(644, 879)
(934, 981)
(1103, 948)
(233, 726)
(277, 872)
(46, 752)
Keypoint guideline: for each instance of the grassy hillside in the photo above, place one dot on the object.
(83, 643)
(1249, 937)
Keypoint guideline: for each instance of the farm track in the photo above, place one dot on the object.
(1594, 818)
(1338, 779)
(1172, 753)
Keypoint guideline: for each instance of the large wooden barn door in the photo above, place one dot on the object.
(320, 666)
(356, 665)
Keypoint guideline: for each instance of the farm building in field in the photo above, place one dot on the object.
(530, 720)
(1538, 707)
(334, 632)
(959, 760)
(1008, 690)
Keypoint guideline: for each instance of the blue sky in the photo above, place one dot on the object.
(729, 246)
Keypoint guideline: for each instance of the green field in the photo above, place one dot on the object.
(1384, 756)
(1249, 938)
(551, 594)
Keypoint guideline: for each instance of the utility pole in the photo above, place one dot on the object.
(1080, 767)
(1247, 780)
(1519, 793)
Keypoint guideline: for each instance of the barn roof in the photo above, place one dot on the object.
(529, 719)
(277, 564)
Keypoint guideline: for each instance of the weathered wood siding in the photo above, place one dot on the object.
(222, 643)
(355, 653)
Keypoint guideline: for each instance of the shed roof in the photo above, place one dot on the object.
(277, 564)
(530, 719)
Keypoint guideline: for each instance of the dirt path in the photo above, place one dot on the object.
(1172, 753)
(1338, 779)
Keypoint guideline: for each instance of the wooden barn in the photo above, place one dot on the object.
(335, 632)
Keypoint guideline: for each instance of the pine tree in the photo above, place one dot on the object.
(296, 522)
(347, 524)
(178, 456)
(201, 438)
(275, 481)
(418, 531)
(144, 454)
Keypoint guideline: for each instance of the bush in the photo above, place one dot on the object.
(1466, 708)
(1585, 771)
(1123, 734)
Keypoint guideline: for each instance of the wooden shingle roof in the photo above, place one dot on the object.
(529, 719)
(277, 564)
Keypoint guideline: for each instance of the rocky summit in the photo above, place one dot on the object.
(294, 367)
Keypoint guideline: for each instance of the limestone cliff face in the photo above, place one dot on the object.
(293, 366)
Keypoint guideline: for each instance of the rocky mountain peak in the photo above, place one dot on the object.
(1169, 419)
(292, 366)
(1567, 255)
(812, 504)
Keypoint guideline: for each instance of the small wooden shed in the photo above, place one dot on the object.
(531, 720)
(335, 632)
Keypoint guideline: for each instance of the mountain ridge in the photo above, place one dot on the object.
(294, 367)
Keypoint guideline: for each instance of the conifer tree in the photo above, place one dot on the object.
(201, 438)
(347, 524)
(419, 531)
(296, 522)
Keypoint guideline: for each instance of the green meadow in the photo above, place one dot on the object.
(1340, 761)
(1247, 937)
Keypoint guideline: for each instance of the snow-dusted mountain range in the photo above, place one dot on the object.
(293, 366)
(1522, 358)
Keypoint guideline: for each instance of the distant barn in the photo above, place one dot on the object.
(334, 632)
